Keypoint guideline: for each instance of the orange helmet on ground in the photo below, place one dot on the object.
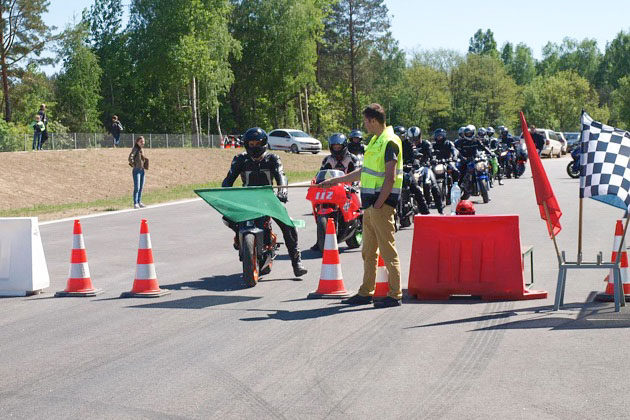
(465, 207)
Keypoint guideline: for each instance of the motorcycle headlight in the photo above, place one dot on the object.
(439, 169)
(480, 166)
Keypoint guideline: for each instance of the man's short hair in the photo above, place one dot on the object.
(375, 111)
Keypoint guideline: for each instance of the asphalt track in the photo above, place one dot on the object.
(215, 349)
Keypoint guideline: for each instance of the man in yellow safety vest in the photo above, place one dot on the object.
(381, 182)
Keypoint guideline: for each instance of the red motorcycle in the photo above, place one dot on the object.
(341, 203)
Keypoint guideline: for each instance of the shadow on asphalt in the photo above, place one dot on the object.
(214, 284)
(196, 302)
(592, 315)
(300, 315)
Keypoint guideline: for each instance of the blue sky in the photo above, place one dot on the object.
(429, 24)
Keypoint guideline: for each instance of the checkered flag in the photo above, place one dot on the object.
(605, 163)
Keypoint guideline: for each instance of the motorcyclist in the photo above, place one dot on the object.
(483, 137)
(340, 158)
(508, 142)
(355, 144)
(444, 149)
(424, 154)
(493, 142)
(493, 145)
(460, 137)
(409, 181)
(468, 148)
(256, 167)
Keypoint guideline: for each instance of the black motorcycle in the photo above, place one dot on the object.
(475, 181)
(444, 180)
(407, 206)
(573, 168)
(257, 246)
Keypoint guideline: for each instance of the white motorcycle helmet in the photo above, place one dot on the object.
(469, 132)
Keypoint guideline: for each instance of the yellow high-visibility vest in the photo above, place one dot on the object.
(373, 171)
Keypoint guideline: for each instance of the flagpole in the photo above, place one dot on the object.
(553, 234)
(579, 253)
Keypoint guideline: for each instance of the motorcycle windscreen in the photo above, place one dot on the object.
(246, 203)
(327, 174)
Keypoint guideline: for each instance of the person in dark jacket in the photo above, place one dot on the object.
(539, 139)
(257, 167)
(139, 162)
(116, 129)
(340, 158)
(43, 119)
(355, 143)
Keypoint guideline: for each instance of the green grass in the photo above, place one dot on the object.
(179, 192)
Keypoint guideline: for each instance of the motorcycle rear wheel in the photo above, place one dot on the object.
(250, 260)
(573, 174)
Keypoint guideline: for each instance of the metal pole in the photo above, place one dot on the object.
(167, 140)
(75, 141)
(25, 137)
(182, 140)
(52, 139)
(95, 146)
(150, 142)
(133, 139)
(553, 235)
(579, 255)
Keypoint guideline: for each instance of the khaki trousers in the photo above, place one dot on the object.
(378, 235)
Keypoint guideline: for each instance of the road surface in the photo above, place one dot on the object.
(215, 349)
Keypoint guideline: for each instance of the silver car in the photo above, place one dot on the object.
(294, 141)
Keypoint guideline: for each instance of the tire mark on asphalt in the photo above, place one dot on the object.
(390, 331)
(469, 362)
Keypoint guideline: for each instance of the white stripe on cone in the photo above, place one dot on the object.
(79, 271)
(145, 241)
(77, 241)
(381, 274)
(331, 272)
(331, 242)
(145, 272)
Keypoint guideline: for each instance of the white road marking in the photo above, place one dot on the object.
(153, 206)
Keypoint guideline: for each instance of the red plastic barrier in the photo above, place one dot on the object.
(468, 255)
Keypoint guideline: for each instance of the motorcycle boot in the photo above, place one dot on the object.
(298, 268)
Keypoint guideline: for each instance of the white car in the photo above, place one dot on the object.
(563, 141)
(553, 145)
(294, 141)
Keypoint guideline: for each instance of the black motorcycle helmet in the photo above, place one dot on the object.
(335, 140)
(481, 133)
(400, 131)
(255, 142)
(504, 131)
(490, 131)
(355, 134)
(439, 135)
(460, 132)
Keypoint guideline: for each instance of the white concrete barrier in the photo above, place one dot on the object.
(23, 269)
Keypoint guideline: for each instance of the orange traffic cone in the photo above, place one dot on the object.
(145, 284)
(331, 280)
(609, 294)
(79, 281)
(382, 283)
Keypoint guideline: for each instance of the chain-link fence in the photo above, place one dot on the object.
(60, 141)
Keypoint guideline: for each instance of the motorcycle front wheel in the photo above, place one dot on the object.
(355, 240)
(322, 222)
(483, 190)
(573, 174)
(250, 260)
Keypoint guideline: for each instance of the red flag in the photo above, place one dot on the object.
(544, 193)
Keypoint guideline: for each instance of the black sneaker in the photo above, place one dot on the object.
(387, 302)
(357, 300)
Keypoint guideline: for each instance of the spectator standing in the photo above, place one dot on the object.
(538, 138)
(139, 163)
(116, 129)
(44, 119)
(38, 129)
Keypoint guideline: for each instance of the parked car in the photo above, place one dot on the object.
(294, 141)
(553, 145)
(573, 140)
(563, 141)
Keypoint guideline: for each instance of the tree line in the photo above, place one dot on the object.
(217, 66)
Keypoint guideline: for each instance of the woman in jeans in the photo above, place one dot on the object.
(139, 163)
